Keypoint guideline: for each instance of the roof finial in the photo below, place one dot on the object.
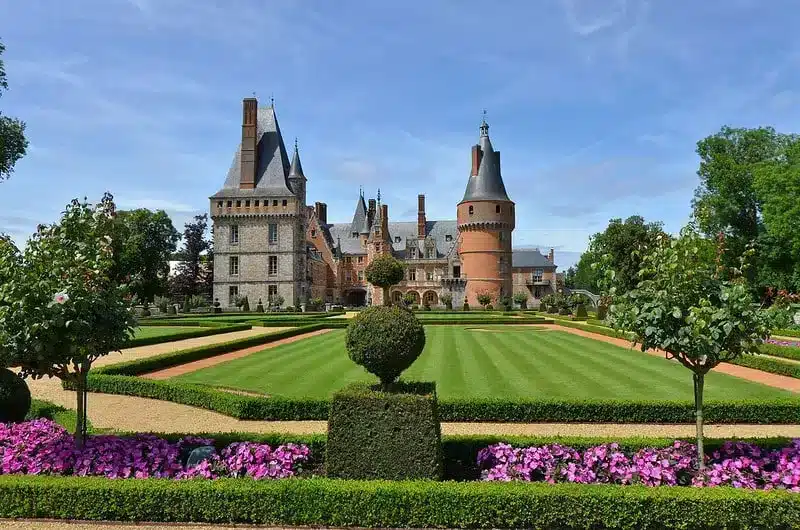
(361, 191)
(272, 99)
(379, 195)
(295, 144)
(484, 125)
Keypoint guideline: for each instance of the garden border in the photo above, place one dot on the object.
(409, 504)
(205, 331)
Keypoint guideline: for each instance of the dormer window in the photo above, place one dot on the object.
(256, 203)
(397, 239)
(448, 238)
(471, 210)
(497, 209)
(219, 204)
(355, 234)
(284, 203)
(230, 203)
(238, 204)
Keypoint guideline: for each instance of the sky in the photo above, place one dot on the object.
(596, 105)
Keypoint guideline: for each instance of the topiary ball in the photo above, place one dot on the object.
(15, 397)
(580, 311)
(385, 341)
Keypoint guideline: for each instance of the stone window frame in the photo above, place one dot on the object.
(537, 274)
(360, 276)
(471, 210)
(233, 265)
(272, 270)
(270, 232)
(429, 276)
(233, 292)
(361, 259)
(233, 238)
(412, 275)
(272, 291)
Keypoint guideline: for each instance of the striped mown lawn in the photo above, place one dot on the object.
(494, 362)
(162, 331)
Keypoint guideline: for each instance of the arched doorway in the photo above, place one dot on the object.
(431, 298)
(397, 297)
(413, 297)
(356, 298)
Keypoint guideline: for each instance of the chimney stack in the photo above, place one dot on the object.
(550, 256)
(371, 212)
(421, 216)
(248, 161)
(477, 154)
(322, 212)
(385, 220)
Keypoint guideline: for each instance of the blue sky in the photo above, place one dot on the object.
(596, 105)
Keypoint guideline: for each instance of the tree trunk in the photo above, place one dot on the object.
(699, 379)
(386, 301)
(80, 423)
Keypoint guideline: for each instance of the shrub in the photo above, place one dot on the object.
(466, 306)
(775, 348)
(15, 397)
(426, 307)
(384, 271)
(259, 306)
(246, 305)
(563, 311)
(522, 299)
(447, 300)
(580, 311)
(552, 309)
(385, 341)
(171, 310)
(384, 435)
(602, 311)
(485, 299)
(162, 303)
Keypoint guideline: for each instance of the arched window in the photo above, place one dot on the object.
(471, 210)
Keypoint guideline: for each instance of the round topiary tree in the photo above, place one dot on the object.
(385, 341)
(385, 271)
(15, 397)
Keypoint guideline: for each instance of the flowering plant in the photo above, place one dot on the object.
(42, 447)
(736, 464)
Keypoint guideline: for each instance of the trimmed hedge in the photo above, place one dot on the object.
(167, 360)
(385, 435)
(276, 408)
(45, 409)
(786, 332)
(787, 352)
(765, 364)
(207, 331)
(387, 504)
(600, 330)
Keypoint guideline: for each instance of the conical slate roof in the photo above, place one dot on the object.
(487, 184)
(296, 168)
(360, 216)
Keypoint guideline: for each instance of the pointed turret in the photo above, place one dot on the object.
(485, 181)
(296, 178)
(296, 168)
(360, 215)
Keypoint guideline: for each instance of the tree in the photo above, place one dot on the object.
(384, 272)
(728, 199)
(621, 243)
(484, 298)
(189, 279)
(13, 143)
(143, 244)
(447, 300)
(522, 299)
(61, 307)
(693, 307)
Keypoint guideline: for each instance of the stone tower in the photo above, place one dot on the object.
(486, 220)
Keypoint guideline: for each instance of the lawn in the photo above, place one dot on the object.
(471, 315)
(494, 362)
(246, 317)
(148, 332)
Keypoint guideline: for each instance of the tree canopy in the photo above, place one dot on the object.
(191, 275)
(620, 246)
(143, 244)
(384, 271)
(13, 143)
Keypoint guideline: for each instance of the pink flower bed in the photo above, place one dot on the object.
(789, 343)
(736, 464)
(42, 447)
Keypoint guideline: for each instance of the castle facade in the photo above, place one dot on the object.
(268, 242)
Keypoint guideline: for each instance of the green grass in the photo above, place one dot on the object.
(507, 362)
(245, 317)
(147, 332)
(470, 315)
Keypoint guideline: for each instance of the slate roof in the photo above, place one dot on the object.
(488, 183)
(273, 162)
(359, 223)
(402, 229)
(530, 258)
(296, 168)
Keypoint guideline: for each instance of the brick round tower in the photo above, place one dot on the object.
(486, 220)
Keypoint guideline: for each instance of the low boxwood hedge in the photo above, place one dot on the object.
(600, 330)
(203, 331)
(387, 504)
(56, 413)
(787, 332)
(765, 364)
(787, 352)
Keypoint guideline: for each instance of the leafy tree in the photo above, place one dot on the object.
(693, 307)
(570, 278)
(484, 299)
(522, 299)
(13, 144)
(189, 278)
(621, 243)
(143, 244)
(447, 300)
(276, 301)
(61, 307)
(385, 271)
(729, 200)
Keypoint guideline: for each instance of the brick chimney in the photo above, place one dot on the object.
(550, 256)
(421, 216)
(477, 154)
(321, 210)
(371, 212)
(385, 220)
(248, 154)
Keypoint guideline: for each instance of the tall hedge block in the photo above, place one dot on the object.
(391, 435)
